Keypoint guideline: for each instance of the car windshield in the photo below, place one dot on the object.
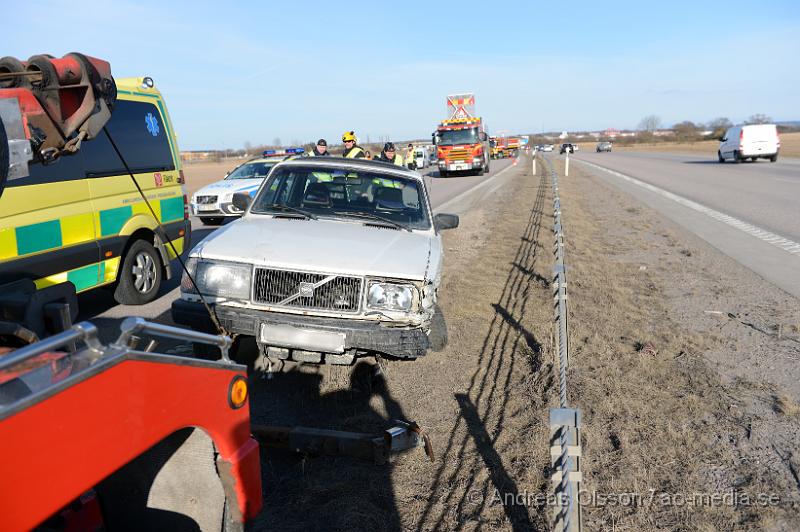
(252, 171)
(377, 197)
(458, 136)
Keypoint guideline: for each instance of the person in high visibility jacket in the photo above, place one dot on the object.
(320, 150)
(389, 155)
(351, 149)
(411, 161)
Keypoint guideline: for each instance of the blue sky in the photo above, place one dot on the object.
(256, 71)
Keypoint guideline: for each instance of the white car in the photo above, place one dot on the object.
(213, 203)
(749, 142)
(547, 147)
(333, 259)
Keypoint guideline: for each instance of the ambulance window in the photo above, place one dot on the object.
(65, 168)
(140, 134)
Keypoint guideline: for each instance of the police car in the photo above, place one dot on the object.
(213, 203)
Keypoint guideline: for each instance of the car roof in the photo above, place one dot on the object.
(354, 164)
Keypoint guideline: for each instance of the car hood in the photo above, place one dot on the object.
(326, 246)
(226, 186)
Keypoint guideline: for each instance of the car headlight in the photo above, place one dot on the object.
(390, 296)
(219, 279)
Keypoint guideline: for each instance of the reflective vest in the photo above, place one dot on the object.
(355, 152)
(398, 159)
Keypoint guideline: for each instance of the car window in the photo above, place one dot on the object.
(345, 193)
(257, 170)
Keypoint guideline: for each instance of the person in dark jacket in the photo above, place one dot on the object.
(320, 150)
(390, 155)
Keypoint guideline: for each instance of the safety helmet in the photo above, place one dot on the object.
(348, 136)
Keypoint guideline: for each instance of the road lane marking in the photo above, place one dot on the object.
(752, 230)
(471, 190)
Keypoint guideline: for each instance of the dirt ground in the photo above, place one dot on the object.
(682, 363)
(790, 146)
(685, 366)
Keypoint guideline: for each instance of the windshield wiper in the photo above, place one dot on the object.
(362, 214)
(286, 208)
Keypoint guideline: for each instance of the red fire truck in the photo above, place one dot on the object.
(462, 144)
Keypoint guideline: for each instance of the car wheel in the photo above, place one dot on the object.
(212, 221)
(140, 276)
(720, 158)
(736, 157)
(442, 173)
(773, 158)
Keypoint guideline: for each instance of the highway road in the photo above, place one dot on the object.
(749, 211)
(455, 194)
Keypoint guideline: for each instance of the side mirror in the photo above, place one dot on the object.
(483, 136)
(723, 138)
(241, 201)
(445, 221)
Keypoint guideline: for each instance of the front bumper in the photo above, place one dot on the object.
(219, 209)
(360, 336)
(456, 166)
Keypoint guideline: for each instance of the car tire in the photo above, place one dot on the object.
(720, 158)
(736, 157)
(212, 221)
(773, 158)
(140, 275)
(442, 173)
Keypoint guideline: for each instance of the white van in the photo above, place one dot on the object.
(750, 142)
(421, 157)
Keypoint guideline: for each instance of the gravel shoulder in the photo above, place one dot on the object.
(685, 365)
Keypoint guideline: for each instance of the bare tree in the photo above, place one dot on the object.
(650, 123)
(247, 147)
(759, 119)
(686, 131)
(719, 126)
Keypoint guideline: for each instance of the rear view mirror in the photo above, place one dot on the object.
(445, 221)
(241, 201)
(483, 136)
(723, 139)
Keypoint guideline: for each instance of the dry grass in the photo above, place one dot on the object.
(659, 419)
(790, 146)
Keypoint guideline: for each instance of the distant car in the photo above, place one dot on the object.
(547, 147)
(575, 147)
(213, 203)
(755, 141)
(567, 147)
(603, 146)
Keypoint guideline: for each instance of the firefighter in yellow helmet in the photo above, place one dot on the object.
(351, 149)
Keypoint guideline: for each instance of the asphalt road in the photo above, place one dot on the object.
(456, 194)
(749, 211)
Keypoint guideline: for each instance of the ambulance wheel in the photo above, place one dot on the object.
(140, 275)
(212, 221)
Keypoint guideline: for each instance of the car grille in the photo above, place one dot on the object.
(206, 199)
(462, 155)
(307, 290)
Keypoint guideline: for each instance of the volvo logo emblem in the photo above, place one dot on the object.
(306, 289)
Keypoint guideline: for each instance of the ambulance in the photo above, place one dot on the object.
(80, 222)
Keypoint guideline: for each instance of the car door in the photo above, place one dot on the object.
(47, 227)
(726, 146)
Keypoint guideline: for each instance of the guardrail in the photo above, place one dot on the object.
(565, 422)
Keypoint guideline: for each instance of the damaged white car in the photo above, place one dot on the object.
(333, 259)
